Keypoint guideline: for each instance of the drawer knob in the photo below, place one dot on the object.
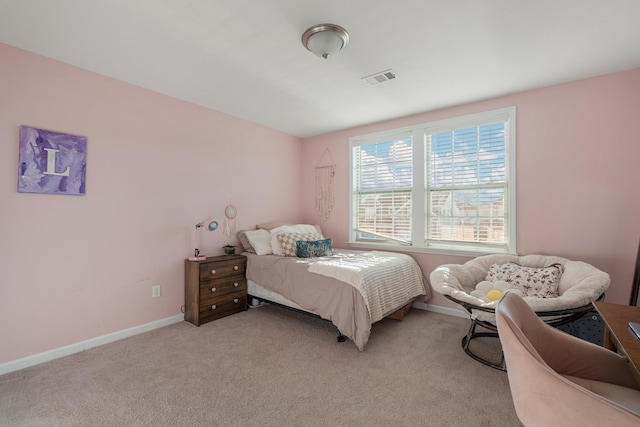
(213, 272)
(213, 307)
(235, 267)
(235, 284)
(235, 300)
(213, 289)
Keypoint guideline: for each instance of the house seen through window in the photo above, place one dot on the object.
(443, 186)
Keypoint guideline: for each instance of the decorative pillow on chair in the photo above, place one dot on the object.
(313, 248)
(288, 241)
(493, 291)
(539, 282)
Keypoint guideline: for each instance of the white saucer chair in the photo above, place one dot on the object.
(578, 284)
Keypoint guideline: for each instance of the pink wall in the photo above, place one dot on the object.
(74, 268)
(78, 267)
(578, 172)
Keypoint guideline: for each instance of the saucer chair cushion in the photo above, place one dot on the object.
(579, 284)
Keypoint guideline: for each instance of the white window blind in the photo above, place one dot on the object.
(383, 179)
(467, 182)
(445, 186)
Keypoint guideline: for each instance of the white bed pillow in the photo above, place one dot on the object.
(271, 225)
(260, 240)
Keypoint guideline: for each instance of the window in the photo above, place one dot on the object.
(442, 186)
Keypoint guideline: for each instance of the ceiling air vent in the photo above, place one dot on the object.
(380, 77)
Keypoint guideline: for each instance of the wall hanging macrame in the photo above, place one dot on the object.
(324, 186)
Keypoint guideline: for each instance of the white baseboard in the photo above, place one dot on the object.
(442, 310)
(36, 359)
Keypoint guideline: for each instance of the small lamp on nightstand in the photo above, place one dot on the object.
(211, 225)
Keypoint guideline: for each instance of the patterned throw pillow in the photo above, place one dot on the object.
(313, 248)
(288, 241)
(532, 282)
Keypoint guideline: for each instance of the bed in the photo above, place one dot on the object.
(352, 289)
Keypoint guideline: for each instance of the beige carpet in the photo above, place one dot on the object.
(266, 367)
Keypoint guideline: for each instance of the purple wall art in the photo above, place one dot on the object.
(51, 162)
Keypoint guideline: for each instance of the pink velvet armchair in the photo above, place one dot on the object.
(560, 380)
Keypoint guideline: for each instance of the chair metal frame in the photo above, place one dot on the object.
(556, 318)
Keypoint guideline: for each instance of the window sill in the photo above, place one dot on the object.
(452, 250)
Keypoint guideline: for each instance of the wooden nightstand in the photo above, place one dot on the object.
(214, 287)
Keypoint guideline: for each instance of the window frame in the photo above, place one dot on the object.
(419, 190)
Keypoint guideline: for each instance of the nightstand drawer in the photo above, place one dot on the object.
(216, 288)
(230, 304)
(218, 269)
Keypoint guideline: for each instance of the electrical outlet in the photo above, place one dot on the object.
(156, 291)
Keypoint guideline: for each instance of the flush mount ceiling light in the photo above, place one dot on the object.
(325, 40)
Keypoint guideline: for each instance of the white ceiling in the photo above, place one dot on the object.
(245, 58)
